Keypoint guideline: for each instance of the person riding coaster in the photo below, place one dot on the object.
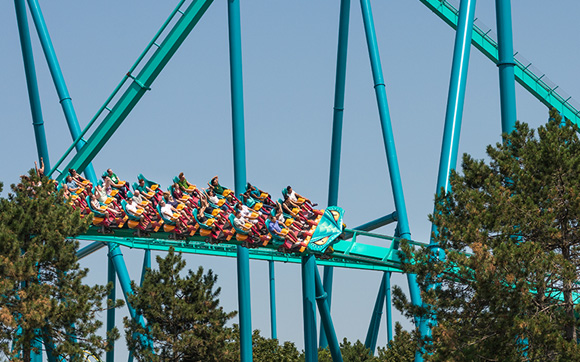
(104, 216)
(174, 221)
(259, 196)
(299, 200)
(213, 228)
(246, 232)
(296, 212)
(287, 240)
(138, 218)
(148, 189)
(113, 182)
(184, 185)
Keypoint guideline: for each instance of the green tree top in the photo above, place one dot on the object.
(42, 296)
(183, 316)
(505, 289)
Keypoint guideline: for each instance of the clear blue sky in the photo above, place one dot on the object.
(289, 52)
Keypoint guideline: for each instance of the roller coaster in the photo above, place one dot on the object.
(307, 236)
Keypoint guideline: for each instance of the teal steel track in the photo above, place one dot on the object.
(141, 83)
(350, 254)
(532, 82)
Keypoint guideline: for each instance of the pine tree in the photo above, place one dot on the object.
(400, 349)
(42, 296)
(263, 349)
(506, 288)
(184, 321)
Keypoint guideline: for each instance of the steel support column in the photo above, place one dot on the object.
(326, 319)
(57, 77)
(390, 149)
(110, 356)
(389, 307)
(335, 152)
(506, 64)
(455, 102)
(374, 325)
(243, 258)
(309, 308)
(273, 333)
(31, 82)
(456, 96)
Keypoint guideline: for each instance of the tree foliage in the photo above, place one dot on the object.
(42, 296)
(184, 321)
(351, 352)
(400, 349)
(264, 349)
(505, 289)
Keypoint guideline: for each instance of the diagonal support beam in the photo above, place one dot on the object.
(533, 83)
(141, 83)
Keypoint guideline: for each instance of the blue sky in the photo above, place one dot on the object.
(289, 52)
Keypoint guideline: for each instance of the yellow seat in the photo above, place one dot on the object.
(180, 206)
(154, 187)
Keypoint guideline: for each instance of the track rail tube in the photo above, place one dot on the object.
(59, 83)
(31, 82)
(243, 258)
(506, 64)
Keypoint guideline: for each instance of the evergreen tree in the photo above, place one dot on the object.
(351, 352)
(42, 297)
(400, 349)
(506, 288)
(264, 349)
(184, 321)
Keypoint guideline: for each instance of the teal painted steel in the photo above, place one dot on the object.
(338, 110)
(273, 332)
(390, 149)
(36, 356)
(116, 257)
(348, 254)
(336, 146)
(327, 279)
(239, 149)
(309, 308)
(146, 265)
(507, 84)
(326, 319)
(57, 76)
(533, 83)
(374, 224)
(31, 82)
(89, 249)
(374, 325)
(340, 260)
(140, 84)
(106, 107)
(456, 95)
(389, 309)
(110, 355)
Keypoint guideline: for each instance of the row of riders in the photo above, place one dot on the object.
(215, 212)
